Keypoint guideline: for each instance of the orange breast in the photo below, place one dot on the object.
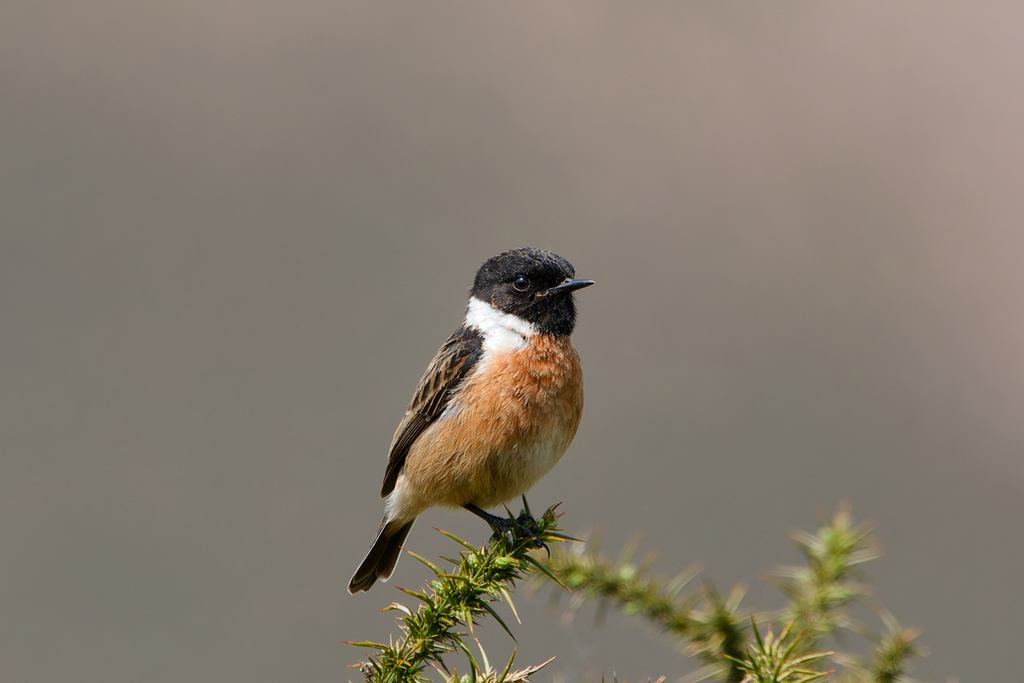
(513, 420)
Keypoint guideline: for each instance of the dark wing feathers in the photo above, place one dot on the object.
(450, 366)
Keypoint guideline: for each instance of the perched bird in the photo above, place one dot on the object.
(496, 409)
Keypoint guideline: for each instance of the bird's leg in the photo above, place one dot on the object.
(504, 525)
(497, 523)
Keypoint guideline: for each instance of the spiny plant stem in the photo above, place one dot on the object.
(710, 625)
(455, 600)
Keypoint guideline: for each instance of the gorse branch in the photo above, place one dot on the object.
(715, 628)
(820, 591)
(777, 660)
(455, 600)
(712, 625)
(724, 636)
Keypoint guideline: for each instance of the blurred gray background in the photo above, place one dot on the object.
(232, 235)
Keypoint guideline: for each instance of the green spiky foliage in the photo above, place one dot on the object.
(458, 598)
(715, 628)
(777, 660)
(820, 591)
(725, 636)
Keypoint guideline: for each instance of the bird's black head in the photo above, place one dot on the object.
(532, 284)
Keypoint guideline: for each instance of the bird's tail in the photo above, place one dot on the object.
(380, 562)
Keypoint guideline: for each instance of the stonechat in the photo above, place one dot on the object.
(496, 409)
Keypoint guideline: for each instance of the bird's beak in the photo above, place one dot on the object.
(571, 284)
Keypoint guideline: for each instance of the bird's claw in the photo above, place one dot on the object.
(514, 528)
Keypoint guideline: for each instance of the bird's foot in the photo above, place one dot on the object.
(511, 528)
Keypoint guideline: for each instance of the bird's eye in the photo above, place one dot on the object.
(521, 284)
